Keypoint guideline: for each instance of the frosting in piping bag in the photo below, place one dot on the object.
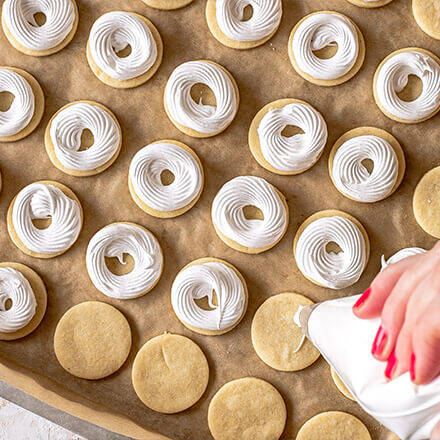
(400, 255)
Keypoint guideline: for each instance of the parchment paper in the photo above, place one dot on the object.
(263, 75)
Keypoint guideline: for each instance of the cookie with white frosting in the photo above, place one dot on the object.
(27, 108)
(226, 21)
(118, 31)
(167, 5)
(370, 3)
(318, 32)
(391, 78)
(325, 267)
(63, 138)
(347, 164)
(149, 186)
(23, 31)
(60, 212)
(287, 155)
(23, 300)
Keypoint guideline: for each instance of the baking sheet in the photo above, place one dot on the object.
(263, 75)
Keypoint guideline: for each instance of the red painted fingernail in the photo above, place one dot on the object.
(379, 342)
(363, 298)
(391, 366)
(412, 367)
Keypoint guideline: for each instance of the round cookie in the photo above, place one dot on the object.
(79, 173)
(13, 234)
(276, 339)
(175, 212)
(41, 53)
(167, 5)
(211, 18)
(340, 385)
(248, 408)
(139, 80)
(362, 131)
(40, 293)
(427, 16)
(92, 340)
(333, 425)
(332, 82)
(170, 373)
(370, 3)
(38, 109)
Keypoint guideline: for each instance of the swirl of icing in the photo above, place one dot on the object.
(38, 201)
(20, 21)
(330, 269)
(113, 32)
(266, 17)
(18, 116)
(66, 130)
(199, 280)
(392, 78)
(321, 30)
(400, 255)
(16, 288)
(352, 178)
(297, 152)
(197, 116)
(228, 215)
(118, 239)
(145, 175)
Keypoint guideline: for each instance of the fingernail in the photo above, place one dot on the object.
(379, 342)
(362, 299)
(391, 366)
(412, 367)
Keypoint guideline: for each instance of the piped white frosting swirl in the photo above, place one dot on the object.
(400, 255)
(145, 173)
(16, 288)
(228, 215)
(331, 269)
(201, 280)
(266, 17)
(114, 241)
(201, 117)
(66, 130)
(297, 152)
(321, 30)
(40, 201)
(18, 116)
(392, 78)
(352, 178)
(19, 18)
(113, 32)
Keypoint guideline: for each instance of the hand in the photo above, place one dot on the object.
(406, 296)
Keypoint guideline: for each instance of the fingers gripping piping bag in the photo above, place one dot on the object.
(344, 340)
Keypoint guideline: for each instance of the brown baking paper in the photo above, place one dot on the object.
(263, 75)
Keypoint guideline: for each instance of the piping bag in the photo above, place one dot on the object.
(344, 340)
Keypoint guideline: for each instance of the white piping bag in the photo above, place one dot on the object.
(345, 341)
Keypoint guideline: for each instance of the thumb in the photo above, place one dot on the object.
(435, 434)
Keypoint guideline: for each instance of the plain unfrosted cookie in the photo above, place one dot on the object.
(340, 385)
(278, 341)
(370, 3)
(247, 409)
(167, 5)
(170, 373)
(333, 425)
(427, 15)
(92, 340)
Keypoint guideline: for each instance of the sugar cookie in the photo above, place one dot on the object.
(26, 111)
(170, 373)
(340, 385)
(207, 277)
(115, 240)
(251, 236)
(391, 77)
(352, 178)
(287, 155)
(63, 138)
(26, 35)
(226, 21)
(320, 30)
(248, 408)
(333, 425)
(400, 255)
(198, 119)
(92, 340)
(427, 16)
(370, 3)
(159, 198)
(42, 201)
(25, 291)
(277, 340)
(167, 5)
(328, 268)
(118, 30)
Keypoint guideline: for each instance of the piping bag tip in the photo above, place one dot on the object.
(301, 318)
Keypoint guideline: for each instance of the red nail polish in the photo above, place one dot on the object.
(362, 299)
(379, 342)
(391, 366)
(412, 367)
